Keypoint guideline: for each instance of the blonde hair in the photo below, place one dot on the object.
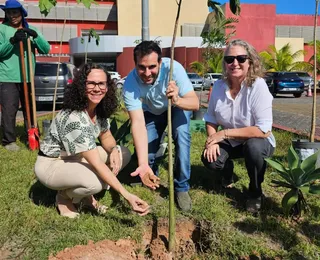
(256, 68)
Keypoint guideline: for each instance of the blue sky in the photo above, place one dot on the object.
(285, 6)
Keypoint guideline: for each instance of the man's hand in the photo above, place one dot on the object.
(31, 32)
(173, 92)
(215, 138)
(147, 176)
(20, 35)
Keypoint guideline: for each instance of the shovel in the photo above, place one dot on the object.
(31, 133)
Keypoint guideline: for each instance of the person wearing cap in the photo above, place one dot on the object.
(13, 30)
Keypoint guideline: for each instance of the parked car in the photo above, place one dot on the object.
(210, 79)
(284, 83)
(115, 76)
(307, 79)
(196, 80)
(45, 81)
(120, 82)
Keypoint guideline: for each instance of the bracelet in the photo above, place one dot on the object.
(116, 147)
(226, 136)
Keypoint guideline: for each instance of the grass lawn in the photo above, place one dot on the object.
(30, 227)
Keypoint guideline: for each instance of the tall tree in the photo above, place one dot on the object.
(283, 59)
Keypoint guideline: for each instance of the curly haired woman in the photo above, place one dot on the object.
(69, 159)
(241, 104)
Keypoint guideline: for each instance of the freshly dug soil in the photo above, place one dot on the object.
(154, 245)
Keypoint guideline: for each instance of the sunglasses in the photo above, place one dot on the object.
(239, 58)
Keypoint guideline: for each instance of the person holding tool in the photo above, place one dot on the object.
(146, 92)
(13, 30)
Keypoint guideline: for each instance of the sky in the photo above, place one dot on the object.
(284, 6)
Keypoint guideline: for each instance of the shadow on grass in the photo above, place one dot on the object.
(285, 236)
(312, 231)
(202, 178)
(41, 195)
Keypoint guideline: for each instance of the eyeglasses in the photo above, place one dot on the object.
(239, 58)
(92, 84)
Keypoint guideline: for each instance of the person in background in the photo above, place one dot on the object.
(241, 105)
(146, 92)
(13, 30)
(69, 159)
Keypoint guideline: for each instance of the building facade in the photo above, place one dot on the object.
(118, 23)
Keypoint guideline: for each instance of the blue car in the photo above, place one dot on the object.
(284, 83)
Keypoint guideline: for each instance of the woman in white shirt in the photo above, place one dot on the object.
(241, 105)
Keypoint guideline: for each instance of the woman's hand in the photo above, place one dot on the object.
(147, 176)
(215, 138)
(138, 205)
(211, 153)
(115, 161)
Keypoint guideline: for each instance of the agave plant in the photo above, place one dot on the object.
(300, 177)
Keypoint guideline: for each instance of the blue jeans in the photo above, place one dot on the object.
(156, 124)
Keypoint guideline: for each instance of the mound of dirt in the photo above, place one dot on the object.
(154, 245)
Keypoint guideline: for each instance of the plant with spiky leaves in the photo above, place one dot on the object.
(300, 177)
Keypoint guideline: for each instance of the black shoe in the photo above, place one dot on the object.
(227, 183)
(253, 205)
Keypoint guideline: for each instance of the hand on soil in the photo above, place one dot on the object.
(138, 205)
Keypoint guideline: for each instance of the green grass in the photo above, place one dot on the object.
(32, 228)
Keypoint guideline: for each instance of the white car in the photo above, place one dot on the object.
(115, 76)
(210, 79)
(120, 82)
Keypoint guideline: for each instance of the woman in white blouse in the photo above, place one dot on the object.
(241, 105)
(69, 159)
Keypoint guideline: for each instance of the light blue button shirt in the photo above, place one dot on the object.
(251, 107)
(152, 98)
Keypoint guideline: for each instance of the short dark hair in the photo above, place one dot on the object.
(145, 48)
(75, 97)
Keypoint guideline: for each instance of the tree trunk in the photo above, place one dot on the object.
(314, 103)
(172, 220)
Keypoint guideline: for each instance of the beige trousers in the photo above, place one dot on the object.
(74, 174)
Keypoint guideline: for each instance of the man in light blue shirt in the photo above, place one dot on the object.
(146, 92)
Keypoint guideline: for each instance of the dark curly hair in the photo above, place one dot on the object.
(75, 97)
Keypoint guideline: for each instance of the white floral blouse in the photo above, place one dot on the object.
(72, 132)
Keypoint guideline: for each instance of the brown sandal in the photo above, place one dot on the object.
(65, 206)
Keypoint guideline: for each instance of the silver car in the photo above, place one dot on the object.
(196, 81)
(210, 79)
(307, 79)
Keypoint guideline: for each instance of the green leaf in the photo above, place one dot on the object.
(288, 200)
(46, 5)
(293, 158)
(309, 164)
(314, 189)
(123, 130)
(113, 127)
(235, 6)
(315, 175)
(282, 184)
(297, 175)
(305, 189)
(86, 3)
(276, 165)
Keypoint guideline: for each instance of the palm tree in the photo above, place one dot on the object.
(213, 64)
(283, 59)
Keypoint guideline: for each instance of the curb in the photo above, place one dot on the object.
(292, 130)
(18, 120)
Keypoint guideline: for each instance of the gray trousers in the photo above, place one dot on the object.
(74, 174)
